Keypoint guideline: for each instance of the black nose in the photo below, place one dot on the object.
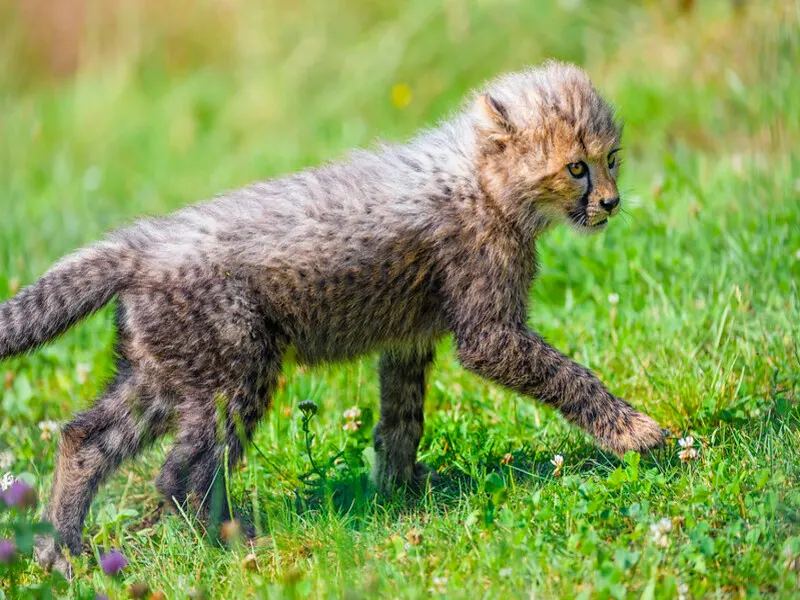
(609, 204)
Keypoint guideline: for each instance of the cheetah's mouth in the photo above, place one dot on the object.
(580, 220)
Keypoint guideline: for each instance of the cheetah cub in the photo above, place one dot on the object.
(387, 251)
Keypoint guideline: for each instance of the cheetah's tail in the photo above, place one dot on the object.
(75, 287)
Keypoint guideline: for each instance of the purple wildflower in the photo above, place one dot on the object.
(7, 551)
(100, 597)
(113, 562)
(20, 494)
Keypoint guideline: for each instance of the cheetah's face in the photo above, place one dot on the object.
(551, 153)
(573, 171)
(580, 188)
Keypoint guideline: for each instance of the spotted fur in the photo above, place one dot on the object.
(387, 251)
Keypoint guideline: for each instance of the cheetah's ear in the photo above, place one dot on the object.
(494, 119)
(494, 112)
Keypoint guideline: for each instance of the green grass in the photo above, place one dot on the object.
(704, 337)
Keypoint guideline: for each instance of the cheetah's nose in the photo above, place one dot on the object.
(609, 204)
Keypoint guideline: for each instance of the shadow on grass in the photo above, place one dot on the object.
(351, 494)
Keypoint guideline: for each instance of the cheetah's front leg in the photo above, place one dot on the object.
(518, 358)
(398, 433)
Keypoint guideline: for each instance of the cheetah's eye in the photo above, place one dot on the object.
(612, 159)
(577, 169)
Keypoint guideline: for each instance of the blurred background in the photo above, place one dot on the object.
(113, 108)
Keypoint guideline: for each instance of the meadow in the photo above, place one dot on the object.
(688, 305)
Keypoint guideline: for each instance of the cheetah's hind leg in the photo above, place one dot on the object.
(92, 446)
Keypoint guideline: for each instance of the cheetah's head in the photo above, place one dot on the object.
(549, 148)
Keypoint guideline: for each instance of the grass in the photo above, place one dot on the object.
(705, 265)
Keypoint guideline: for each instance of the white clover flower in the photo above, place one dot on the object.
(797, 254)
(7, 459)
(558, 463)
(660, 539)
(352, 414)
(689, 452)
(352, 426)
(6, 482)
(660, 530)
(48, 428)
(683, 591)
(613, 299)
(439, 585)
(505, 572)
(82, 373)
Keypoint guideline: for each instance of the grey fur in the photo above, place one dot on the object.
(387, 252)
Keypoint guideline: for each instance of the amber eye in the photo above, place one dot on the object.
(577, 169)
(612, 160)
